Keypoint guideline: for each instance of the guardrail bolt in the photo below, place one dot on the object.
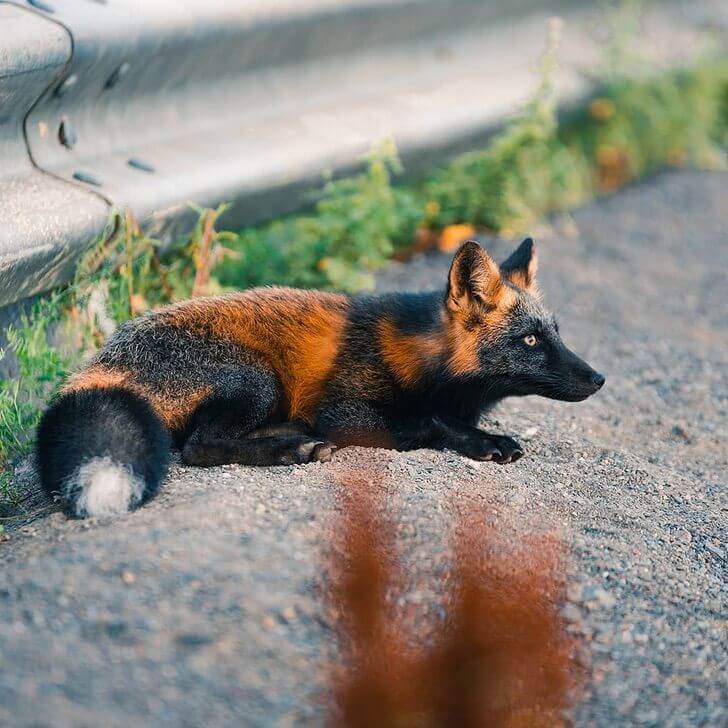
(67, 133)
(140, 164)
(88, 178)
(66, 85)
(42, 6)
(118, 74)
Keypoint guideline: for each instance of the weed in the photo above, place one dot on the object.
(40, 368)
(372, 689)
(635, 127)
(504, 657)
(526, 170)
(354, 229)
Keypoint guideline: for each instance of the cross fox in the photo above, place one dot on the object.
(275, 376)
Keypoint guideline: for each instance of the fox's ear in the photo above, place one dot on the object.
(520, 268)
(474, 278)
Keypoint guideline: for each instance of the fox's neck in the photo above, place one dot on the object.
(413, 337)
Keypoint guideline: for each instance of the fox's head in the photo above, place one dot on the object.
(499, 330)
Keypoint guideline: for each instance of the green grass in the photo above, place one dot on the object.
(40, 368)
(537, 165)
(353, 230)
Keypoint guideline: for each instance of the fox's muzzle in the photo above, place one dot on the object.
(579, 379)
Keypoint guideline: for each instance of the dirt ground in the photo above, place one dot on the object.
(205, 607)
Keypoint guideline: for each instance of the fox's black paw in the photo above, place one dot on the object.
(498, 448)
(307, 451)
(510, 450)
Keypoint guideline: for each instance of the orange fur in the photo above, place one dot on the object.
(296, 333)
(501, 304)
(408, 355)
(526, 279)
(468, 326)
(96, 377)
(173, 408)
(463, 347)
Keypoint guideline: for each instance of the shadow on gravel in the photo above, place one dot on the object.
(499, 655)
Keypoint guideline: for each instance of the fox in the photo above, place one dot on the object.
(281, 376)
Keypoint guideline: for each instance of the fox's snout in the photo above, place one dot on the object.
(590, 383)
(598, 380)
(581, 379)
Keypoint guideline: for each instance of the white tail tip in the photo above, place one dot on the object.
(104, 488)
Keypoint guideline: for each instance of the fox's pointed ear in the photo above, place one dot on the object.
(474, 277)
(520, 268)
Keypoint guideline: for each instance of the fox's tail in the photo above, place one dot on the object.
(104, 451)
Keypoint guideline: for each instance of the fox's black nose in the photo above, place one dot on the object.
(598, 380)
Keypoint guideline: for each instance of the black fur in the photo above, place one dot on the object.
(519, 258)
(79, 426)
(411, 313)
(225, 427)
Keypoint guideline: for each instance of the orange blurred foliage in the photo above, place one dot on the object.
(453, 235)
(601, 109)
(613, 167)
(502, 659)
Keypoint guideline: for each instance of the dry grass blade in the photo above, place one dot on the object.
(373, 689)
(203, 255)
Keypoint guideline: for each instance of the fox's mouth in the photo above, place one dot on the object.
(576, 396)
(582, 392)
(578, 392)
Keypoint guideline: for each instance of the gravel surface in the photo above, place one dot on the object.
(205, 608)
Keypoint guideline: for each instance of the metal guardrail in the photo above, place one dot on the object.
(153, 104)
(41, 217)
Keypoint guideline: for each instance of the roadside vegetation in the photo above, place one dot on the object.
(539, 164)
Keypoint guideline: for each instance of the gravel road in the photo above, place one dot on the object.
(204, 607)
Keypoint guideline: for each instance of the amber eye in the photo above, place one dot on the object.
(530, 340)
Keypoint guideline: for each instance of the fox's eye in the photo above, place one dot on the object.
(530, 340)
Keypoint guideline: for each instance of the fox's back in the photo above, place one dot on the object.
(174, 354)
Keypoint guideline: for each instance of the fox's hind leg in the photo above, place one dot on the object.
(236, 423)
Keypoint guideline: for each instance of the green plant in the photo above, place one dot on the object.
(355, 227)
(635, 127)
(525, 171)
(41, 366)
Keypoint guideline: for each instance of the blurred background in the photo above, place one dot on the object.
(154, 106)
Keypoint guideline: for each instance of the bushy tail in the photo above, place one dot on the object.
(104, 451)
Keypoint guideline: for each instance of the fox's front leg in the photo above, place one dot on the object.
(357, 422)
(354, 422)
(478, 444)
